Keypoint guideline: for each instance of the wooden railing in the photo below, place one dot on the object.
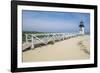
(45, 38)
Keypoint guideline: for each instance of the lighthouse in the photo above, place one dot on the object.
(81, 27)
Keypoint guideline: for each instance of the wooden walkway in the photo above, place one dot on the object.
(26, 45)
(34, 39)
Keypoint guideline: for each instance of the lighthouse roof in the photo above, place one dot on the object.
(81, 24)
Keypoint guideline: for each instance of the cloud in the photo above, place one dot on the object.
(47, 25)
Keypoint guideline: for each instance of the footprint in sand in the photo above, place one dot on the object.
(83, 47)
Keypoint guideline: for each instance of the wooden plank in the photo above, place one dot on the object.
(26, 45)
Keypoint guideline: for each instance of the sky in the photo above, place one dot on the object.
(50, 21)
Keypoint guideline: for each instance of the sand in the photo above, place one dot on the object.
(70, 49)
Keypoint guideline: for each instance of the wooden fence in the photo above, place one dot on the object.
(44, 38)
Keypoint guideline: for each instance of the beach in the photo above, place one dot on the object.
(75, 48)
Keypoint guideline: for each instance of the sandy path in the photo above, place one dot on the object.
(74, 48)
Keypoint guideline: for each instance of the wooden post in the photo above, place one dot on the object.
(32, 42)
(26, 36)
(63, 36)
(47, 38)
(54, 38)
(60, 37)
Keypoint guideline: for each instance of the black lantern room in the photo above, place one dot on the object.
(81, 24)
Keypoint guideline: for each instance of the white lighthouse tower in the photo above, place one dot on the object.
(81, 27)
